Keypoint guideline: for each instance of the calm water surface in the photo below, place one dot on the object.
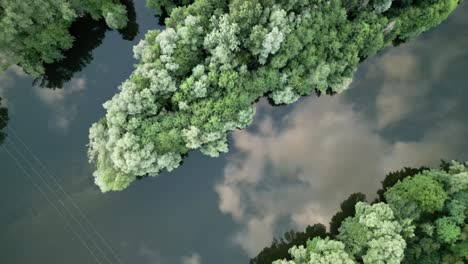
(292, 167)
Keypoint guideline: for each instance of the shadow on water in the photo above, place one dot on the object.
(88, 34)
(131, 30)
(3, 121)
(163, 8)
(316, 93)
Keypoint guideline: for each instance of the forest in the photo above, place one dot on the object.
(419, 216)
(200, 77)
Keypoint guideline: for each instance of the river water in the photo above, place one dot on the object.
(292, 167)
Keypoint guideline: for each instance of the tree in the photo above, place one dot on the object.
(394, 177)
(323, 251)
(381, 6)
(347, 210)
(393, 232)
(374, 234)
(163, 8)
(417, 195)
(34, 33)
(280, 247)
(198, 79)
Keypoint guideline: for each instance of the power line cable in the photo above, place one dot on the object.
(82, 214)
(38, 187)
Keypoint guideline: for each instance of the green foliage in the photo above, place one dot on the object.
(3, 121)
(426, 17)
(381, 6)
(279, 248)
(417, 195)
(88, 34)
(381, 233)
(198, 79)
(163, 8)
(34, 33)
(347, 210)
(447, 230)
(374, 234)
(323, 251)
(394, 177)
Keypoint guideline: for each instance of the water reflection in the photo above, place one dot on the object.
(406, 108)
(131, 30)
(88, 34)
(337, 146)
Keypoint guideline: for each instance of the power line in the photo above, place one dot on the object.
(82, 214)
(38, 187)
(51, 190)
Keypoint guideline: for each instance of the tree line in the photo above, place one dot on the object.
(419, 216)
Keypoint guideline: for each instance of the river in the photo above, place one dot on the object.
(292, 167)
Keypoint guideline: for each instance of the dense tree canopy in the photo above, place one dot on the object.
(199, 78)
(35, 33)
(88, 34)
(3, 121)
(423, 221)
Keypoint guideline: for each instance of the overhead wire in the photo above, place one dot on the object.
(51, 190)
(39, 188)
(81, 213)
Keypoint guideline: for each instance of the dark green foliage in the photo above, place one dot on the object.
(3, 121)
(416, 196)
(279, 248)
(436, 202)
(34, 33)
(88, 34)
(347, 210)
(198, 79)
(163, 8)
(426, 17)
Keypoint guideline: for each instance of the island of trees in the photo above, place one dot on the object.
(420, 216)
(199, 78)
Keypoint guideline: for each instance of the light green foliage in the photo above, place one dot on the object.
(286, 96)
(458, 182)
(222, 41)
(33, 33)
(447, 230)
(198, 79)
(374, 234)
(381, 6)
(115, 15)
(319, 251)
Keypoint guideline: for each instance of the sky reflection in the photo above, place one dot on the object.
(291, 168)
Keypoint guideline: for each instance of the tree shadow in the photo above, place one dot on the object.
(3, 121)
(88, 34)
